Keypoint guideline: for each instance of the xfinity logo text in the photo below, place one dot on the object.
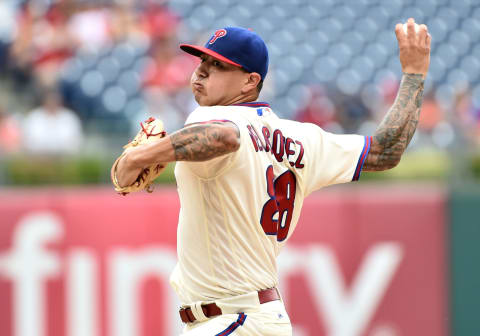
(29, 263)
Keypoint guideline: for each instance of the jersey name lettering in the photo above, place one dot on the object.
(279, 146)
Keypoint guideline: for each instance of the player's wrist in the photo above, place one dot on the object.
(412, 72)
(145, 155)
(132, 158)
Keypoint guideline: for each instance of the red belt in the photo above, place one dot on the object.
(211, 309)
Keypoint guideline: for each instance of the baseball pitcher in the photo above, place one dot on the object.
(243, 173)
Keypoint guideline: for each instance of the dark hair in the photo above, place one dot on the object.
(259, 85)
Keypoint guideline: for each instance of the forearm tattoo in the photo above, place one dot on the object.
(397, 128)
(203, 142)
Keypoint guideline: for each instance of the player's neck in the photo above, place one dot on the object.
(242, 99)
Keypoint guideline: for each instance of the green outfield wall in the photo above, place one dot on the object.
(465, 261)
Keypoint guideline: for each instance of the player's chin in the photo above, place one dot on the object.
(198, 100)
(201, 99)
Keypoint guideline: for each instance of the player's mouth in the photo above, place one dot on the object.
(197, 87)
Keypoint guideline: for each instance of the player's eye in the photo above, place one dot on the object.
(217, 64)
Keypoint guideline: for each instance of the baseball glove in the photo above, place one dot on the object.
(151, 130)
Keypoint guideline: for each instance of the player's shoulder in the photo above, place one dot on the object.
(294, 126)
(216, 113)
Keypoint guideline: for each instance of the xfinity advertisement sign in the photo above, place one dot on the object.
(73, 270)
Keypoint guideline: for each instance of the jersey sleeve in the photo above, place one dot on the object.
(333, 158)
(218, 165)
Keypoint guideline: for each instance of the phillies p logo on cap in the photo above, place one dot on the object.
(237, 46)
(219, 33)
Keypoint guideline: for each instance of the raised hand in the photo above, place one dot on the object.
(414, 48)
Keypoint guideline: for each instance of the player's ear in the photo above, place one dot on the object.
(251, 81)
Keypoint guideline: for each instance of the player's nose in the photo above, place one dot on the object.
(202, 70)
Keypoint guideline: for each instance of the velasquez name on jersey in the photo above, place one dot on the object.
(279, 146)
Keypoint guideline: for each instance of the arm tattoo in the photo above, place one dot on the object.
(204, 142)
(397, 128)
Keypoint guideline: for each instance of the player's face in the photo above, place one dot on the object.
(217, 83)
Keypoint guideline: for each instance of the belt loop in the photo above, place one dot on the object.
(197, 311)
(279, 294)
(184, 316)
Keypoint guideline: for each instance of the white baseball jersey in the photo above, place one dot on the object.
(238, 210)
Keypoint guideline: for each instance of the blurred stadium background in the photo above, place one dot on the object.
(77, 76)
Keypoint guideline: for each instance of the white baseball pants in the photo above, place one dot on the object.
(268, 319)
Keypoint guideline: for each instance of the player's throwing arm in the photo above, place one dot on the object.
(397, 128)
(194, 143)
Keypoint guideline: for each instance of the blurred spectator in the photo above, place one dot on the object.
(351, 111)
(124, 23)
(171, 69)
(52, 129)
(90, 25)
(7, 21)
(431, 113)
(467, 117)
(8, 26)
(125, 64)
(42, 44)
(9, 132)
(333, 111)
(388, 90)
(158, 20)
(464, 109)
(318, 109)
(168, 74)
